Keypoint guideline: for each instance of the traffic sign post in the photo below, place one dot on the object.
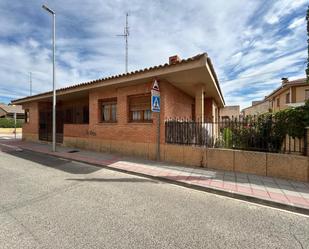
(155, 103)
(156, 107)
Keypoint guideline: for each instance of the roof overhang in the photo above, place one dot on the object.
(298, 104)
(284, 87)
(184, 75)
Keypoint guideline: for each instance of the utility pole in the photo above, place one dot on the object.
(54, 73)
(15, 116)
(126, 34)
(30, 81)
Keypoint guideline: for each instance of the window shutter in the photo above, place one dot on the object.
(139, 103)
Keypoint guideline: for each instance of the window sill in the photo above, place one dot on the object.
(140, 122)
(107, 123)
(76, 123)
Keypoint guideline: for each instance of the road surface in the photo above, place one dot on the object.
(9, 136)
(54, 203)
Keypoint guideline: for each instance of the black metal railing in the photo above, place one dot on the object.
(244, 133)
(182, 131)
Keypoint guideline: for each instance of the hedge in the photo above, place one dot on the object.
(9, 123)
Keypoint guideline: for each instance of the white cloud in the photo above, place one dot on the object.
(282, 8)
(297, 22)
(88, 48)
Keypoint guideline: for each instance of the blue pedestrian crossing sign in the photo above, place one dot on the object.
(155, 103)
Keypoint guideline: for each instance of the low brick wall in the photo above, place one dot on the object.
(142, 150)
(285, 166)
(30, 137)
(10, 130)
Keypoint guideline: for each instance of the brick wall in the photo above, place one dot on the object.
(178, 103)
(76, 130)
(33, 126)
(122, 130)
(285, 166)
(173, 103)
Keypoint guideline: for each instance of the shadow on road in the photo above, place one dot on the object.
(112, 180)
(56, 163)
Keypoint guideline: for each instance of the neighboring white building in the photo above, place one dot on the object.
(230, 111)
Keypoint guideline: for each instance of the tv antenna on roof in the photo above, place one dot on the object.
(126, 36)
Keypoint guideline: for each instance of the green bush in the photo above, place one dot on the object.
(266, 132)
(227, 137)
(292, 121)
(9, 123)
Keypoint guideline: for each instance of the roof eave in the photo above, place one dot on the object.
(201, 60)
(211, 69)
(290, 84)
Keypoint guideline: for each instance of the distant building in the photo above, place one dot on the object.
(7, 111)
(257, 107)
(230, 111)
(289, 94)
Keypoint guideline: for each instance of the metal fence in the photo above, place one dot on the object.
(244, 133)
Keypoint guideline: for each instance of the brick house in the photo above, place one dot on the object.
(8, 111)
(290, 94)
(114, 113)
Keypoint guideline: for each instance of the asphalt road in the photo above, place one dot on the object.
(53, 203)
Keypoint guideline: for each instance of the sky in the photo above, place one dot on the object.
(252, 43)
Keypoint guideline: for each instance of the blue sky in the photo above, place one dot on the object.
(252, 43)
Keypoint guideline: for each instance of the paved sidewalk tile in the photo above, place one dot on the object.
(261, 187)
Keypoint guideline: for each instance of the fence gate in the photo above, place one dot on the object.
(45, 126)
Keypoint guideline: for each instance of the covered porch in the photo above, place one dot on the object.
(71, 110)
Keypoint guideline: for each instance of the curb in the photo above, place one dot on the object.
(213, 190)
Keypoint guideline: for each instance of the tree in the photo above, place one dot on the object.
(307, 70)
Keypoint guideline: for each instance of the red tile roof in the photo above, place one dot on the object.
(166, 65)
(297, 82)
(12, 108)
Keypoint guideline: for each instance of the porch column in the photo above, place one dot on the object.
(199, 103)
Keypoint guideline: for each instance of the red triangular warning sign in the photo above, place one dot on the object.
(155, 86)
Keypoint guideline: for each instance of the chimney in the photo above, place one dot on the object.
(174, 59)
(285, 80)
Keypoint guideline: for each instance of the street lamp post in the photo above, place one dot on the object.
(54, 88)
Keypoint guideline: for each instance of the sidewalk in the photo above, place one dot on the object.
(286, 194)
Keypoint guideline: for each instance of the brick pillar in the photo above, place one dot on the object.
(199, 103)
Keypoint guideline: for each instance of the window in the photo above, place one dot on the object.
(306, 94)
(278, 102)
(27, 116)
(287, 98)
(69, 116)
(140, 108)
(76, 115)
(108, 110)
(86, 115)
